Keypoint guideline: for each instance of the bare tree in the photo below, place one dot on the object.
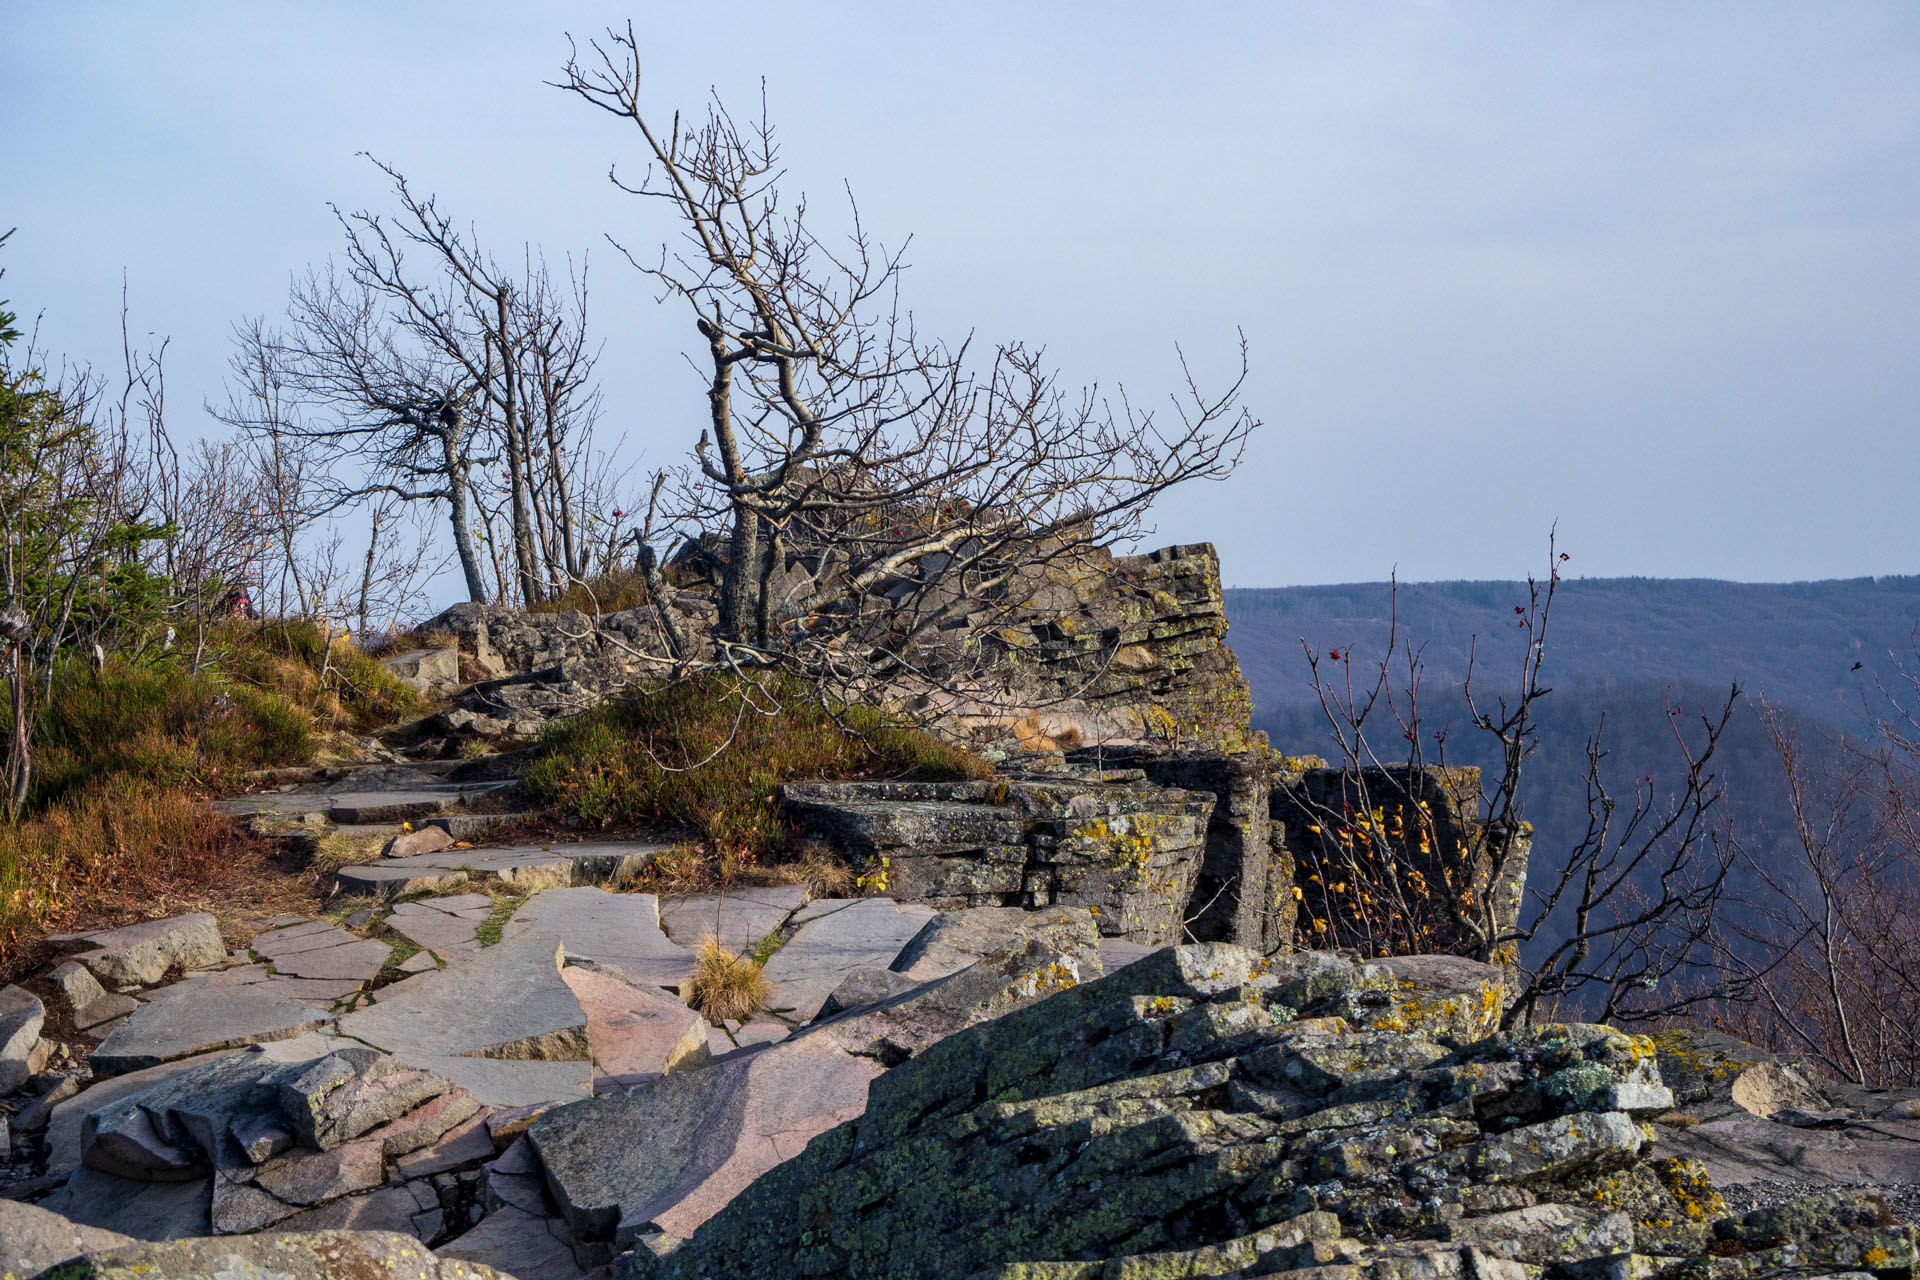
(418, 382)
(866, 497)
(1825, 936)
(1411, 853)
(75, 529)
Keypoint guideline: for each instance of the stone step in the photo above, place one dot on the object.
(522, 867)
(358, 807)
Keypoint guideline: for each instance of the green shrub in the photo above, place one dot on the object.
(710, 752)
(260, 700)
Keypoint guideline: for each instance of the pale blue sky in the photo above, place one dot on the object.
(1649, 269)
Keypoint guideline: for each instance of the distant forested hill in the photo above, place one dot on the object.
(1619, 649)
(1794, 643)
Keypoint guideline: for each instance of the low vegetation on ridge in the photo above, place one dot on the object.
(118, 817)
(709, 754)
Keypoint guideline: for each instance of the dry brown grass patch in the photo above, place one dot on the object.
(725, 987)
(116, 854)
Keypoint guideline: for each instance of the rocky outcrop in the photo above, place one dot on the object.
(1243, 891)
(1104, 648)
(1119, 649)
(1127, 851)
(1204, 1113)
(1166, 846)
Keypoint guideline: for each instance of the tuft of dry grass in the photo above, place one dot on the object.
(725, 987)
(694, 867)
(611, 592)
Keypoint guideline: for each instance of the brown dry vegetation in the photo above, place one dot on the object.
(120, 852)
(120, 827)
(725, 987)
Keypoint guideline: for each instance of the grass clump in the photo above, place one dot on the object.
(495, 925)
(725, 987)
(334, 681)
(118, 849)
(611, 592)
(710, 752)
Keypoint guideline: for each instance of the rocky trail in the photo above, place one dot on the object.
(162, 1085)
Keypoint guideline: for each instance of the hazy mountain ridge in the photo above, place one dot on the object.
(1793, 643)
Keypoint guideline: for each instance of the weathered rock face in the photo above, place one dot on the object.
(33, 1239)
(434, 672)
(1120, 649)
(1243, 892)
(1205, 1113)
(1128, 851)
(1173, 845)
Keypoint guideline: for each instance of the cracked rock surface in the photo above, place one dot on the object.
(1207, 1113)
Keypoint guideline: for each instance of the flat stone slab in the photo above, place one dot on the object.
(461, 904)
(636, 1032)
(1118, 953)
(369, 806)
(672, 1153)
(739, 1037)
(143, 1210)
(199, 1019)
(321, 993)
(524, 867)
(438, 929)
(385, 880)
(507, 1083)
(739, 918)
(303, 935)
(858, 933)
(508, 1001)
(620, 930)
(953, 940)
(104, 1010)
(357, 961)
(142, 954)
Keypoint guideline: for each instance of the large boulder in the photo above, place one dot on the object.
(1205, 1112)
(21, 1017)
(668, 1155)
(139, 955)
(953, 940)
(434, 672)
(896, 1027)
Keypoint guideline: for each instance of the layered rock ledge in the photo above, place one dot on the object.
(1205, 1112)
